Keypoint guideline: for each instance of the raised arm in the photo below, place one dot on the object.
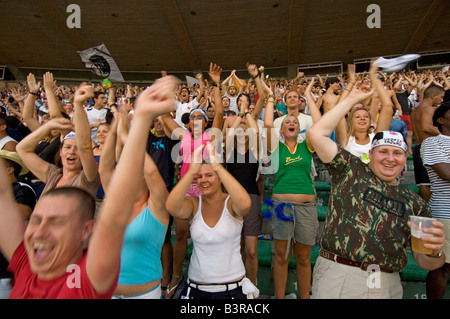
(105, 245)
(253, 134)
(83, 132)
(412, 84)
(171, 127)
(351, 81)
(111, 96)
(28, 108)
(445, 82)
(385, 117)
(157, 188)
(319, 133)
(313, 109)
(201, 87)
(178, 204)
(107, 162)
(260, 86)
(26, 147)
(54, 107)
(226, 81)
(12, 223)
(272, 139)
(214, 75)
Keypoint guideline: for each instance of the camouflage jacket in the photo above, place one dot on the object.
(367, 217)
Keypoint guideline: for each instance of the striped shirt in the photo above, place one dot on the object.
(436, 150)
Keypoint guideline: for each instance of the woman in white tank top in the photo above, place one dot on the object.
(216, 216)
(355, 135)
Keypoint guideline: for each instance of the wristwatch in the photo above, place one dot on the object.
(437, 256)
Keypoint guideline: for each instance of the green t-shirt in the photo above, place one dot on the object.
(294, 170)
(367, 217)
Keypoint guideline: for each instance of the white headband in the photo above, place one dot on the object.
(70, 135)
(389, 138)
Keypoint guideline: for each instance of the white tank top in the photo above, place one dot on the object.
(5, 140)
(358, 149)
(216, 256)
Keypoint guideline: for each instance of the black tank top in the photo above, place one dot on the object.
(244, 167)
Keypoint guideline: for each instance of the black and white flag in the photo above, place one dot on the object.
(100, 61)
(190, 81)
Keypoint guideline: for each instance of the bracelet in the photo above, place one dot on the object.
(438, 255)
(245, 114)
(257, 76)
(34, 93)
(215, 84)
(271, 95)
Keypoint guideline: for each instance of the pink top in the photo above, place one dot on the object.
(188, 145)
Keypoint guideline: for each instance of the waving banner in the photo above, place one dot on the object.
(100, 61)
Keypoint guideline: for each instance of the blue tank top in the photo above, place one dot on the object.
(100, 192)
(141, 251)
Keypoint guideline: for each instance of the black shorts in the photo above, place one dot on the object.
(420, 172)
(253, 220)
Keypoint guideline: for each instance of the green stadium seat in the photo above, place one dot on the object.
(413, 187)
(412, 272)
(322, 212)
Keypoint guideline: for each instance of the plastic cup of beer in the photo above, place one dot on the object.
(417, 225)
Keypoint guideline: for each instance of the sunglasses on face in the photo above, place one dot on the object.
(195, 117)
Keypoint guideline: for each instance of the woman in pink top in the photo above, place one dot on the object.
(191, 140)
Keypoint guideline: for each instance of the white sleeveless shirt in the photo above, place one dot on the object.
(5, 140)
(216, 256)
(358, 149)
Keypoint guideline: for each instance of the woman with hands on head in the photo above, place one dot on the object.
(190, 139)
(355, 133)
(216, 269)
(79, 167)
(48, 147)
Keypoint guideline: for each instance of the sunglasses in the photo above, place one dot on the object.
(196, 117)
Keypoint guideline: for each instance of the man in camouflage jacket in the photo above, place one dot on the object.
(366, 232)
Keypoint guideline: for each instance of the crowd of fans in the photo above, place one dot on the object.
(54, 135)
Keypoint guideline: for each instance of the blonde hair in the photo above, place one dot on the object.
(287, 117)
(285, 120)
(350, 127)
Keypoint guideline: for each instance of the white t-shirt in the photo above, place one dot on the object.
(5, 140)
(359, 150)
(93, 116)
(304, 120)
(233, 102)
(184, 108)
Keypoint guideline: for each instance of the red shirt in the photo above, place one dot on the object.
(27, 285)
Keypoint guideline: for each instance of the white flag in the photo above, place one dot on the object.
(100, 61)
(190, 81)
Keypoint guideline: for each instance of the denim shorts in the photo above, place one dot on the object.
(303, 227)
